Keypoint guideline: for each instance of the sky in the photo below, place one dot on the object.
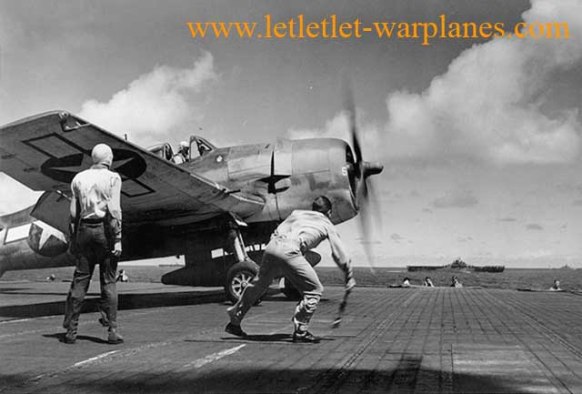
(480, 139)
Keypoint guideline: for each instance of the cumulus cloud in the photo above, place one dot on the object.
(155, 104)
(534, 227)
(577, 203)
(487, 105)
(455, 199)
(509, 219)
(152, 106)
(339, 127)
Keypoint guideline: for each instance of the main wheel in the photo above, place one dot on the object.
(238, 277)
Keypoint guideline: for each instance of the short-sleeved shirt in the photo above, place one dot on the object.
(98, 191)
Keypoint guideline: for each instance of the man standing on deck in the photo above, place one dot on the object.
(300, 232)
(95, 240)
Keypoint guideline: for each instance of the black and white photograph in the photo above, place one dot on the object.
(269, 196)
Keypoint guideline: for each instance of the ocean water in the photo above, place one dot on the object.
(570, 279)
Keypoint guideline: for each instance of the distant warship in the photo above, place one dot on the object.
(457, 265)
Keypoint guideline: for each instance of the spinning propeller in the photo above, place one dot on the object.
(360, 172)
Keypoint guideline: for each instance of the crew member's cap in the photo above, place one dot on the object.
(102, 154)
(184, 144)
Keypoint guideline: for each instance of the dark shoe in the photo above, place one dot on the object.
(305, 337)
(103, 319)
(235, 330)
(114, 338)
(70, 337)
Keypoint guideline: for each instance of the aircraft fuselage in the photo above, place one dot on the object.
(287, 175)
(27, 243)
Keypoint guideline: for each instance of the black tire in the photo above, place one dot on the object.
(237, 278)
(289, 290)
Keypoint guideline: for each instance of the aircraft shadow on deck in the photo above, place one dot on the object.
(126, 301)
(406, 377)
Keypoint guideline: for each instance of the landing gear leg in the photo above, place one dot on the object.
(241, 273)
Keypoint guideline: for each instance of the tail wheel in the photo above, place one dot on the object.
(238, 277)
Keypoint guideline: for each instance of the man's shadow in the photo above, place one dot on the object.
(61, 337)
(277, 338)
(263, 338)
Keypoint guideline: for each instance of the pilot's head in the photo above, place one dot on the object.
(184, 147)
(323, 205)
(102, 154)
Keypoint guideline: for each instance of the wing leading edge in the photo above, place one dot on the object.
(45, 152)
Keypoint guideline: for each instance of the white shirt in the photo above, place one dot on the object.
(98, 190)
(311, 228)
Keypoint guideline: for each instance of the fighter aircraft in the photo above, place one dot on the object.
(218, 208)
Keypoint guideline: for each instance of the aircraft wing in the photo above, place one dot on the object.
(44, 152)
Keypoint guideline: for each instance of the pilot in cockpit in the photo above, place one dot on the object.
(182, 155)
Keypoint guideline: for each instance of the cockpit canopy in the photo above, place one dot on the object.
(165, 151)
(203, 147)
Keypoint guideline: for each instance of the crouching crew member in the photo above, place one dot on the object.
(95, 240)
(284, 256)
